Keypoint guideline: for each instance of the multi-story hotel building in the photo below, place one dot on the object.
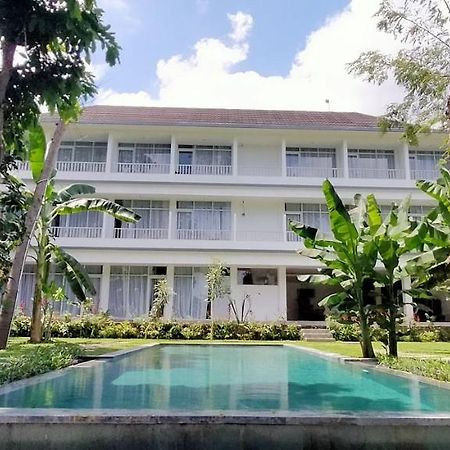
(218, 184)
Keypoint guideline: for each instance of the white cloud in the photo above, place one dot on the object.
(206, 77)
(111, 97)
(241, 25)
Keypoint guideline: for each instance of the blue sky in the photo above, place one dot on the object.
(235, 53)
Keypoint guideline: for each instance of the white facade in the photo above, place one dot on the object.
(211, 192)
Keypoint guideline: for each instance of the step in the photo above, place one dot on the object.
(317, 335)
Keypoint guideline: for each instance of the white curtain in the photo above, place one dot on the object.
(190, 293)
(129, 295)
(26, 291)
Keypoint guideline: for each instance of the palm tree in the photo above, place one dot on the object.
(60, 203)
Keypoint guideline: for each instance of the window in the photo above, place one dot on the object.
(424, 164)
(131, 290)
(144, 158)
(79, 156)
(311, 162)
(418, 212)
(87, 224)
(371, 164)
(267, 277)
(153, 224)
(204, 159)
(71, 305)
(190, 292)
(314, 215)
(204, 220)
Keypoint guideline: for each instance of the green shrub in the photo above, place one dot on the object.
(102, 326)
(343, 332)
(38, 359)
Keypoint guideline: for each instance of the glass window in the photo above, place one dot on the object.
(252, 276)
(366, 163)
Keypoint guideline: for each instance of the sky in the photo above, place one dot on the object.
(260, 54)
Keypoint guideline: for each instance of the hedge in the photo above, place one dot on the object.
(103, 326)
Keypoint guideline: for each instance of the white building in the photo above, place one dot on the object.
(217, 184)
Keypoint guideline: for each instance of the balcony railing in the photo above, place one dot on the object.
(259, 236)
(252, 171)
(366, 172)
(185, 169)
(204, 235)
(23, 165)
(424, 174)
(77, 232)
(319, 172)
(292, 237)
(141, 233)
(80, 166)
(142, 168)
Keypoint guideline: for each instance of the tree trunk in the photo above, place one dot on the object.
(10, 296)
(366, 338)
(392, 324)
(8, 51)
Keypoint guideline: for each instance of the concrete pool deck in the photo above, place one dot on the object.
(22, 428)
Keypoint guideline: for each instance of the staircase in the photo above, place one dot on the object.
(317, 335)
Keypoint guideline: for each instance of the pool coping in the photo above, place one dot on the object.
(272, 417)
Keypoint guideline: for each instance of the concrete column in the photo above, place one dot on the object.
(404, 159)
(170, 284)
(234, 289)
(173, 155)
(282, 295)
(104, 288)
(408, 308)
(283, 158)
(342, 160)
(108, 227)
(172, 219)
(111, 154)
(234, 157)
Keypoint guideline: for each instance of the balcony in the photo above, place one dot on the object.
(77, 232)
(188, 169)
(424, 174)
(366, 172)
(142, 168)
(203, 235)
(141, 233)
(319, 172)
(80, 166)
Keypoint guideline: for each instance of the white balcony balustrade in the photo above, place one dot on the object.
(23, 165)
(141, 233)
(259, 236)
(367, 172)
(319, 172)
(204, 235)
(292, 237)
(142, 168)
(80, 166)
(188, 169)
(424, 174)
(77, 232)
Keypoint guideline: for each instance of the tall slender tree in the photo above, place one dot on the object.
(56, 39)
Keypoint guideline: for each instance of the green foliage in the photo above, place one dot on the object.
(38, 360)
(102, 326)
(349, 260)
(160, 299)
(439, 369)
(421, 67)
(37, 146)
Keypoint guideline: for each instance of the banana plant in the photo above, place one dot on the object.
(349, 259)
(431, 269)
(59, 203)
(395, 240)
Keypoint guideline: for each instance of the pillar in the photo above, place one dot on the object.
(103, 303)
(408, 308)
(170, 284)
(282, 295)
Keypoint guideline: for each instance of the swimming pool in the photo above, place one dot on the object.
(224, 379)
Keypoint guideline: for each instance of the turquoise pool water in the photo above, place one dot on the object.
(229, 378)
